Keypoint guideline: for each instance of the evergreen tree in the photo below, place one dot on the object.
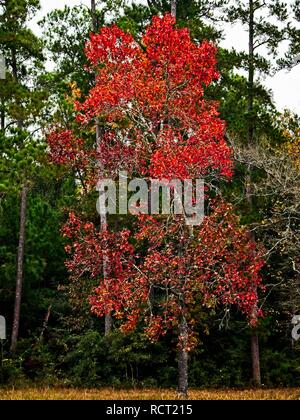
(21, 103)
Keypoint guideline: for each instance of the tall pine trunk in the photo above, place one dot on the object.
(256, 374)
(103, 216)
(251, 75)
(22, 234)
(2, 117)
(20, 270)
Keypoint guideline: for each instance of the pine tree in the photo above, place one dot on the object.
(261, 33)
(20, 105)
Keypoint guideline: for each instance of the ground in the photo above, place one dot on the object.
(146, 394)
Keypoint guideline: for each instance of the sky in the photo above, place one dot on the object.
(285, 85)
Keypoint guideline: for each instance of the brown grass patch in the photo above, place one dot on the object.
(146, 394)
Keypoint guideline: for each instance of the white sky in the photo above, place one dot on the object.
(285, 84)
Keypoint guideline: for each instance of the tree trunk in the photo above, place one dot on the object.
(255, 359)
(22, 231)
(94, 16)
(108, 324)
(45, 323)
(108, 317)
(254, 336)
(2, 118)
(251, 75)
(103, 229)
(183, 359)
(174, 8)
(103, 216)
(20, 270)
(183, 328)
(16, 78)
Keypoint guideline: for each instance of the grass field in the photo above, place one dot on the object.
(146, 394)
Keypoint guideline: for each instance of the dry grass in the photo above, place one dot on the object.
(146, 394)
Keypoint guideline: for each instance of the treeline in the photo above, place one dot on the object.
(53, 337)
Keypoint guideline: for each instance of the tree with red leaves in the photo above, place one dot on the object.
(180, 273)
(155, 122)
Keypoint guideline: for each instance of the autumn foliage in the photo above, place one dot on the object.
(149, 101)
(218, 265)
